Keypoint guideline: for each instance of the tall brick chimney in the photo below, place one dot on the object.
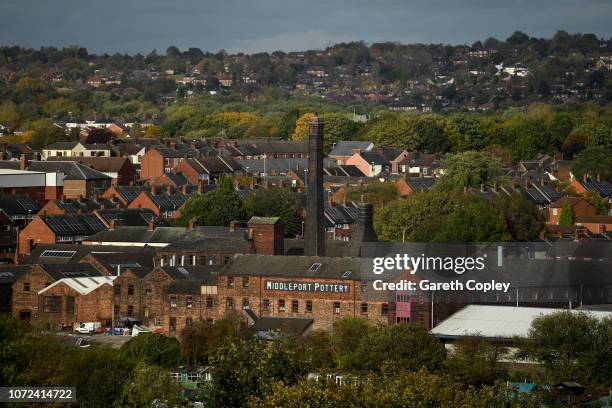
(314, 239)
(23, 162)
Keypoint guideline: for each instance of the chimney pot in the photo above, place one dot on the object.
(232, 226)
(153, 189)
(598, 177)
(482, 188)
(356, 150)
(113, 224)
(585, 177)
(23, 162)
(152, 225)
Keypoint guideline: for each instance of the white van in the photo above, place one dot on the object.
(88, 328)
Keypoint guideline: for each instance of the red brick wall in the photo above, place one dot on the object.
(268, 238)
(151, 165)
(322, 303)
(96, 306)
(27, 300)
(184, 167)
(143, 201)
(37, 231)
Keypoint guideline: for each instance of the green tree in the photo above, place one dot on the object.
(566, 218)
(338, 128)
(302, 126)
(45, 133)
(202, 338)
(469, 169)
(600, 203)
(150, 384)
(400, 347)
(153, 348)
(523, 219)
(347, 334)
(9, 114)
(593, 161)
(392, 130)
(475, 361)
(218, 207)
(473, 222)
(276, 202)
(377, 193)
(413, 219)
(571, 346)
(286, 124)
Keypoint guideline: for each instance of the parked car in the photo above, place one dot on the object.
(89, 328)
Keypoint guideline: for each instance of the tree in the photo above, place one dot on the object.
(566, 218)
(302, 126)
(594, 161)
(413, 219)
(202, 338)
(218, 207)
(469, 169)
(347, 334)
(276, 202)
(377, 193)
(392, 130)
(475, 361)
(571, 346)
(9, 114)
(473, 222)
(523, 219)
(286, 124)
(600, 203)
(153, 348)
(338, 128)
(46, 133)
(398, 347)
(149, 384)
(99, 135)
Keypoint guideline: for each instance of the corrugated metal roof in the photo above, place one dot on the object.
(502, 322)
(83, 285)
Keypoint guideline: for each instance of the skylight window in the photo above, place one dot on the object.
(57, 254)
(314, 267)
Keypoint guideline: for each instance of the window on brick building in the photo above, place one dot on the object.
(69, 305)
(281, 305)
(266, 305)
(172, 325)
(364, 287)
(189, 302)
(52, 304)
(309, 306)
(149, 291)
(384, 309)
(229, 303)
(210, 303)
(173, 302)
(364, 308)
(130, 311)
(26, 286)
(130, 289)
(336, 307)
(188, 321)
(117, 289)
(230, 282)
(245, 303)
(245, 282)
(226, 259)
(295, 306)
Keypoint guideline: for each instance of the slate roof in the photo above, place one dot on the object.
(71, 270)
(421, 184)
(272, 327)
(73, 170)
(10, 273)
(177, 178)
(18, 206)
(101, 164)
(345, 147)
(169, 202)
(375, 157)
(129, 193)
(298, 267)
(73, 224)
(295, 247)
(603, 187)
(127, 217)
(80, 251)
(140, 263)
(62, 145)
(205, 274)
(164, 235)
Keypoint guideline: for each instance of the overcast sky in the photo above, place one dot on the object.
(267, 25)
